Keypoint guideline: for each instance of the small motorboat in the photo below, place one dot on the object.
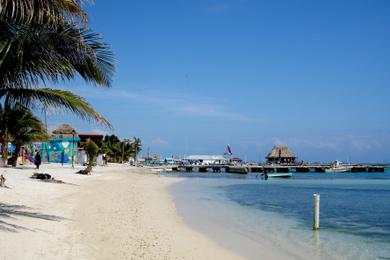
(156, 170)
(337, 166)
(278, 175)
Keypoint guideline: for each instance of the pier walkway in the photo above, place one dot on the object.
(246, 168)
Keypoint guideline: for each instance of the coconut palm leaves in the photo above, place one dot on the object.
(92, 152)
(30, 55)
(120, 150)
(41, 37)
(45, 41)
(53, 98)
(136, 147)
(41, 11)
(34, 50)
(24, 127)
(19, 125)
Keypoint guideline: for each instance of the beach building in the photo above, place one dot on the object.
(280, 155)
(206, 159)
(172, 160)
(63, 145)
(61, 148)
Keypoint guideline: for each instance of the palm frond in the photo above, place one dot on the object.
(29, 55)
(41, 11)
(24, 127)
(55, 98)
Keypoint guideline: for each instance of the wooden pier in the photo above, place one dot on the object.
(246, 168)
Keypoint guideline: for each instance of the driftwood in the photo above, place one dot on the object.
(46, 178)
(41, 176)
(86, 171)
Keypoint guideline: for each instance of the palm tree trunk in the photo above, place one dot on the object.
(15, 156)
(4, 150)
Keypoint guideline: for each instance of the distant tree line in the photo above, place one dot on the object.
(119, 150)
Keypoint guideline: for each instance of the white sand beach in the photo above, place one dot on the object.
(119, 212)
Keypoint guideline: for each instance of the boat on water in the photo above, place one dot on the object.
(279, 175)
(156, 170)
(337, 166)
(237, 169)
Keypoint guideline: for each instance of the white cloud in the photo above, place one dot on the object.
(203, 106)
(362, 143)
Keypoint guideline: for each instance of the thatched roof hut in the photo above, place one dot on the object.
(280, 155)
(64, 131)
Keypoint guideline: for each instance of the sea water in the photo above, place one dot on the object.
(246, 213)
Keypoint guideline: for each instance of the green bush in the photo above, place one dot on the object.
(92, 151)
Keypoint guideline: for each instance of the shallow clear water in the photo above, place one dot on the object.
(355, 211)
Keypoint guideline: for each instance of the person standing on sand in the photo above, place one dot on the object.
(62, 157)
(38, 159)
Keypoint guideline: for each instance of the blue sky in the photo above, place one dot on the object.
(194, 76)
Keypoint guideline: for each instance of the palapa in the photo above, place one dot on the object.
(281, 154)
(64, 131)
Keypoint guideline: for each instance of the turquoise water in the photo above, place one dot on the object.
(355, 212)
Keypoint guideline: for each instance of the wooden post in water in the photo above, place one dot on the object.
(316, 216)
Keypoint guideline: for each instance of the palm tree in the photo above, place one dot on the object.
(23, 127)
(113, 147)
(136, 147)
(92, 151)
(49, 97)
(20, 126)
(119, 150)
(126, 149)
(47, 40)
(103, 147)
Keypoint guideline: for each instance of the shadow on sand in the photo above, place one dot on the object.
(8, 211)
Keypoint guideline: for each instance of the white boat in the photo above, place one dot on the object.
(279, 175)
(338, 167)
(157, 170)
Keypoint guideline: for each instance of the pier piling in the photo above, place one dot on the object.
(316, 216)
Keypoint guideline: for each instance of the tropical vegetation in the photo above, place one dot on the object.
(120, 150)
(48, 41)
(21, 127)
(117, 151)
(91, 150)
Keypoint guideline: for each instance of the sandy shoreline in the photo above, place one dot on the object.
(117, 213)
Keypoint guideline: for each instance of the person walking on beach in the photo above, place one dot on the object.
(38, 159)
(62, 157)
(104, 159)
